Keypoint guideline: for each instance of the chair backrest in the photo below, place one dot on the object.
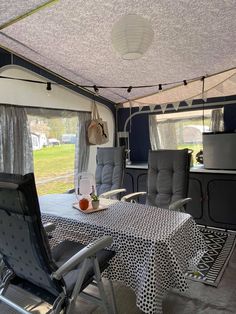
(168, 176)
(23, 242)
(110, 168)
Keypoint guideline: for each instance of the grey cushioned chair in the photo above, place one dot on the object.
(168, 176)
(109, 174)
(58, 275)
(110, 171)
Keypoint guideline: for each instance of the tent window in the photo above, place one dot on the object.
(53, 135)
(179, 130)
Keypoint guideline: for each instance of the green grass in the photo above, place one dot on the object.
(56, 161)
(52, 162)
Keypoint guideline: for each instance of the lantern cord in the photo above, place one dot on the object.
(203, 103)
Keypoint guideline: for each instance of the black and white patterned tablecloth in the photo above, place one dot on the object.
(154, 247)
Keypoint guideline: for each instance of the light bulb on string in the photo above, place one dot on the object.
(49, 88)
(96, 90)
(129, 89)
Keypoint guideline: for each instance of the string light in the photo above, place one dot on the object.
(129, 89)
(49, 86)
(96, 90)
(97, 87)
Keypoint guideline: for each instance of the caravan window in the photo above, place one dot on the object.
(53, 157)
(179, 130)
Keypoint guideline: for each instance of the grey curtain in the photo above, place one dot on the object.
(153, 131)
(15, 141)
(50, 113)
(217, 120)
(82, 147)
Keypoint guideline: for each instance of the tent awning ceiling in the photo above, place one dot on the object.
(73, 39)
(12, 9)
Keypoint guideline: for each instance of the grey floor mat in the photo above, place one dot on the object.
(24, 299)
(198, 299)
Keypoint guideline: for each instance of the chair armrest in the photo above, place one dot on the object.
(49, 226)
(88, 251)
(111, 193)
(130, 197)
(179, 205)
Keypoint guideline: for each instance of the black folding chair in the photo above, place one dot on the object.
(59, 275)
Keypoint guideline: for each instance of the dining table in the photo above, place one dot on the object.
(154, 246)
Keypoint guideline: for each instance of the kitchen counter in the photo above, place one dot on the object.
(197, 168)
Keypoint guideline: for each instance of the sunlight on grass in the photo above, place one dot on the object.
(55, 187)
(56, 163)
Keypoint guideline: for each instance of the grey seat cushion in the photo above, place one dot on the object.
(65, 250)
(110, 168)
(167, 176)
(23, 242)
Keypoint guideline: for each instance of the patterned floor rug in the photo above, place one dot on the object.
(211, 267)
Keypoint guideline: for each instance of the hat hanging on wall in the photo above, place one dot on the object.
(131, 36)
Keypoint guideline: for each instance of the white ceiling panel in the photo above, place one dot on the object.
(73, 38)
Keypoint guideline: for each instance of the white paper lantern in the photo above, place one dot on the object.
(131, 36)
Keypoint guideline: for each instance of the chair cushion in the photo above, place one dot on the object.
(110, 168)
(167, 177)
(65, 250)
(23, 243)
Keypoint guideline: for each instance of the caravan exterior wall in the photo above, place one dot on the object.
(68, 138)
(38, 140)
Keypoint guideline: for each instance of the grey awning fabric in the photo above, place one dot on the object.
(218, 85)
